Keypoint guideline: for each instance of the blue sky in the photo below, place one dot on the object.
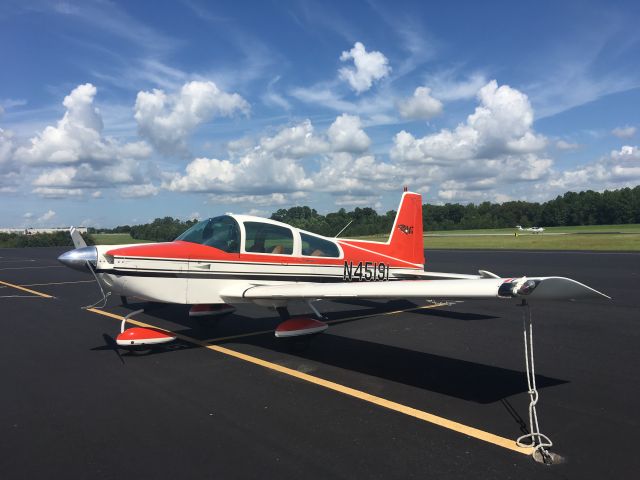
(119, 112)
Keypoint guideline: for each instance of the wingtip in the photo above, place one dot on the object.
(562, 288)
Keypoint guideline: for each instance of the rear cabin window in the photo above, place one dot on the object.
(268, 238)
(318, 247)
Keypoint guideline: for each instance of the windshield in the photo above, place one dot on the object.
(218, 232)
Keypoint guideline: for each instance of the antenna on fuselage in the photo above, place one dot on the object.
(345, 227)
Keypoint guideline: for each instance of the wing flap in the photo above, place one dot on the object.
(428, 275)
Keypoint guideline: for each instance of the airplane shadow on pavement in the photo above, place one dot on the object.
(463, 379)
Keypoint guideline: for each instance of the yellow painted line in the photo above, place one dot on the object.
(329, 322)
(367, 397)
(40, 294)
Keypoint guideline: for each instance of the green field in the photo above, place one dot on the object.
(539, 242)
(114, 239)
(628, 228)
(588, 237)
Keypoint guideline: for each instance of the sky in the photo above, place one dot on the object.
(115, 113)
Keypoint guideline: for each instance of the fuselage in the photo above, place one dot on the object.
(248, 250)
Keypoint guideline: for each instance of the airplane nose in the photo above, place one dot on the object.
(78, 258)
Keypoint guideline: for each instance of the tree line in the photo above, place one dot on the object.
(584, 208)
(56, 239)
(160, 230)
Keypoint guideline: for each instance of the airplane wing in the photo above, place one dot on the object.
(536, 288)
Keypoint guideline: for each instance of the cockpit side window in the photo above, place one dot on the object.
(313, 246)
(222, 233)
(268, 238)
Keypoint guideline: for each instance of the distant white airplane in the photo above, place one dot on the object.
(530, 229)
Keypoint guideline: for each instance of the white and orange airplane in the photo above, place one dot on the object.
(233, 259)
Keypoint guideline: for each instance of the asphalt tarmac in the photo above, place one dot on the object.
(73, 406)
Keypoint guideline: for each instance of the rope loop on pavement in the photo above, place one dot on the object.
(537, 440)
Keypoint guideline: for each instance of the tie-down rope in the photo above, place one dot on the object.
(539, 441)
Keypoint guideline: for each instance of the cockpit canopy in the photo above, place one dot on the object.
(224, 233)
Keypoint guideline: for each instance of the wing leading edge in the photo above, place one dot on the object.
(538, 288)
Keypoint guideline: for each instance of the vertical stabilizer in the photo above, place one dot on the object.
(405, 243)
(406, 238)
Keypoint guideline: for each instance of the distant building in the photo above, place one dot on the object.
(31, 231)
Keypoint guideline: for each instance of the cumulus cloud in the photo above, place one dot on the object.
(345, 173)
(346, 134)
(493, 149)
(273, 169)
(74, 155)
(74, 180)
(255, 172)
(368, 67)
(270, 167)
(294, 142)
(420, 106)
(167, 120)
(621, 168)
(484, 179)
(501, 124)
(624, 132)
(301, 140)
(77, 137)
